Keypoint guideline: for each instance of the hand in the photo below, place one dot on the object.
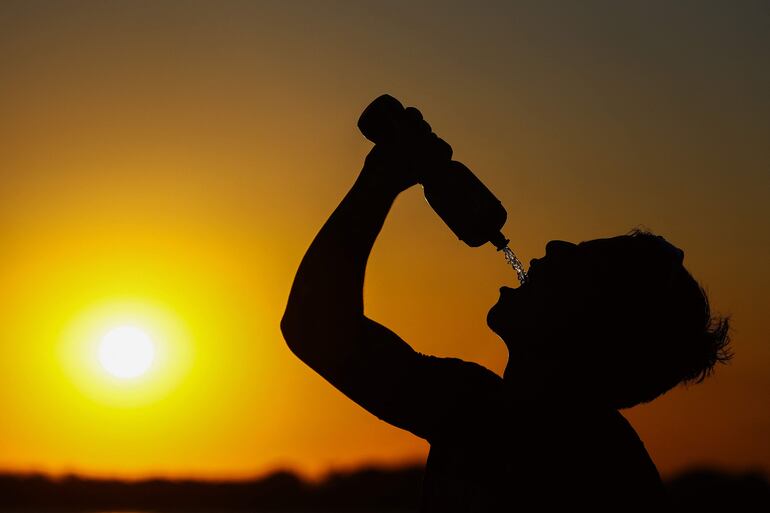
(400, 164)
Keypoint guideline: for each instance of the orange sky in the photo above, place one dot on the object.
(167, 164)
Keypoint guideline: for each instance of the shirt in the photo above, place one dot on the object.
(496, 453)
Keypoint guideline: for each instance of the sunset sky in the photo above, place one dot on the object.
(166, 164)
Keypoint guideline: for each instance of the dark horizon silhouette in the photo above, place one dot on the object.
(368, 489)
(595, 327)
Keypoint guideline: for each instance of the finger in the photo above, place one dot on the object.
(438, 148)
(444, 149)
(413, 114)
(419, 133)
(415, 122)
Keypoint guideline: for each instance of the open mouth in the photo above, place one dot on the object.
(505, 289)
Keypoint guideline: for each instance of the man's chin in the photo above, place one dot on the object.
(503, 314)
(496, 318)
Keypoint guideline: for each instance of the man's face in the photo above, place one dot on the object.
(569, 287)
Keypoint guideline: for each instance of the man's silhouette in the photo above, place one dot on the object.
(601, 325)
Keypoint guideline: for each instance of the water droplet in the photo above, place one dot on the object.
(512, 259)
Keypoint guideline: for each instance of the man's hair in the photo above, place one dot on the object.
(677, 341)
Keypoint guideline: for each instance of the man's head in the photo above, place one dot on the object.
(619, 320)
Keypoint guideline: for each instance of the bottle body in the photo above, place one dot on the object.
(462, 201)
(466, 205)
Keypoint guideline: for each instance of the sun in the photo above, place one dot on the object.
(126, 352)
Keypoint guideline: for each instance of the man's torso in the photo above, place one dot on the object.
(534, 459)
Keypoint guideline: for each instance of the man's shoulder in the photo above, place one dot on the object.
(468, 397)
(469, 374)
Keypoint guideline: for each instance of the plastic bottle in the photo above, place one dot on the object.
(462, 201)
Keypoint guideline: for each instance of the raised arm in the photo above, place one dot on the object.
(324, 323)
(325, 305)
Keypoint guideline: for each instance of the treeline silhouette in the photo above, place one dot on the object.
(366, 490)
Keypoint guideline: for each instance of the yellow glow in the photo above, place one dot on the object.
(126, 352)
(106, 338)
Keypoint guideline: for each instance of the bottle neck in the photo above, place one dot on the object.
(499, 241)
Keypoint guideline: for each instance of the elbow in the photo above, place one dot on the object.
(310, 336)
(292, 330)
(301, 331)
(303, 338)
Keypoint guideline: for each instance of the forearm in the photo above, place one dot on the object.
(326, 299)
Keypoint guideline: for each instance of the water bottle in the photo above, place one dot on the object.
(465, 204)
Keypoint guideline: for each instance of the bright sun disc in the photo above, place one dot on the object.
(126, 352)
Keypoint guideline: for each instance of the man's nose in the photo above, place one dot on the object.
(559, 247)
